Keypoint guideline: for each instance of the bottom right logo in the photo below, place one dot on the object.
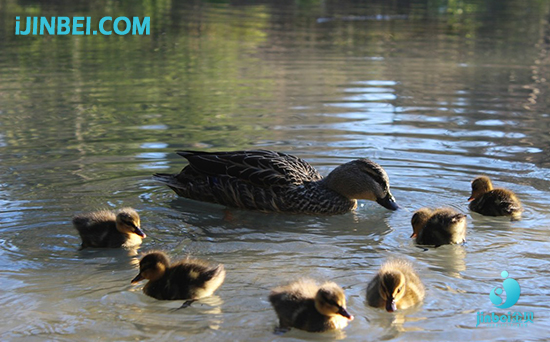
(513, 291)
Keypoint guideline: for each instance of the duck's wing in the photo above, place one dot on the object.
(259, 167)
(497, 202)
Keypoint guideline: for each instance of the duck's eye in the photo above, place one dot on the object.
(398, 290)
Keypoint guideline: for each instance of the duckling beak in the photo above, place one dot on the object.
(471, 198)
(413, 235)
(138, 231)
(137, 279)
(390, 305)
(388, 202)
(345, 313)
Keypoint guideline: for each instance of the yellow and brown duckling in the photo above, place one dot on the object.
(395, 287)
(307, 306)
(189, 279)
(438, 227)
(493, 202)
(105, 229)
(273, 181)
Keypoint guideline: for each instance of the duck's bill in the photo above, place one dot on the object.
(139, 232)
(388, 202)
(137, 279)
(471, 199)
(345, 313)
(413, 235)
(390, 305)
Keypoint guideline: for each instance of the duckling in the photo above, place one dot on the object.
(305, 305)
(396, 286)
(440, 227)
(105, 229)
(189, 279)
(277, 182)
(493, 202)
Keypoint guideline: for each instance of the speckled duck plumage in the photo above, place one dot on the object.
(488, 201)
(273, 181)
(438, 227)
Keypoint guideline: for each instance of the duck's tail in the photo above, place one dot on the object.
(168, 179)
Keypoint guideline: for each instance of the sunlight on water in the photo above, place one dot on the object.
(437, 92)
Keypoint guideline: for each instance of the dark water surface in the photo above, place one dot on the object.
(437, 92)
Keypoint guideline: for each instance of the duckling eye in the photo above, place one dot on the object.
(129, 224)
(398, 290)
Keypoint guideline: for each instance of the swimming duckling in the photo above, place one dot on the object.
(396, 286)
(273, 181)
(189, 279)
(305, 305)
(493, 202)
(105, 229)
(440, 227)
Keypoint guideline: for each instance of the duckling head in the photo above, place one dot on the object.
(419, 220)
(331, 301)
(480, 185)
(152, 266)
(127, 221)
(362, 179)
(392, 288)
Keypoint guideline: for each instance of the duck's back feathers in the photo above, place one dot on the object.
(445, 226)
(303, 316)
(187, 279)
(259, 167)
(497, 202)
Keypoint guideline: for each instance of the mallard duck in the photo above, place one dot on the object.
(307, 306)
(440, 227)
(189, 279)
(106, 229)
(396, 286)
(493, 202)
(274, 181)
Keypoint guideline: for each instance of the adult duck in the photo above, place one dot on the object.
(278, 182)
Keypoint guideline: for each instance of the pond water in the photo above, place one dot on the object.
(437, 92)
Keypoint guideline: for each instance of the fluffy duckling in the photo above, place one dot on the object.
(105, 229)
(440, 227)
(396, 286)
(305, 305)
(189, 279)
(493, 202)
